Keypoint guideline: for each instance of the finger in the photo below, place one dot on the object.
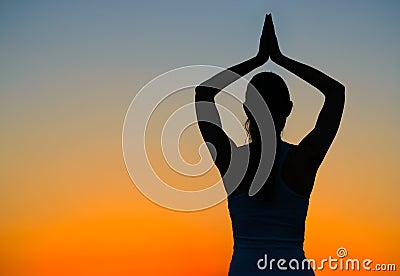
(266, 20)
(272, 25)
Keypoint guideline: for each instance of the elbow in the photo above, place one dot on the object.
(199, 93)
(341, 93)
(338, 91)
(199, 90)
(341, 88)
(204, 93)
(337, 94)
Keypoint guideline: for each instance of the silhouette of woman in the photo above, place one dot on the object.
(270, 225)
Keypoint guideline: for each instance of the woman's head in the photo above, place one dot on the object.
(275, 93)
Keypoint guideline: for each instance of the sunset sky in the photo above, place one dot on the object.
(68, 73)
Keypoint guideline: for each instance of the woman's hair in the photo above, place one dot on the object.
(275, 93)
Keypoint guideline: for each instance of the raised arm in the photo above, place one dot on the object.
(207, 115)
(313, 148)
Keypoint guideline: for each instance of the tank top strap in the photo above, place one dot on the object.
(284, 149)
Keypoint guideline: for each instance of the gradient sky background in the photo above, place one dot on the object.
(68, 72)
